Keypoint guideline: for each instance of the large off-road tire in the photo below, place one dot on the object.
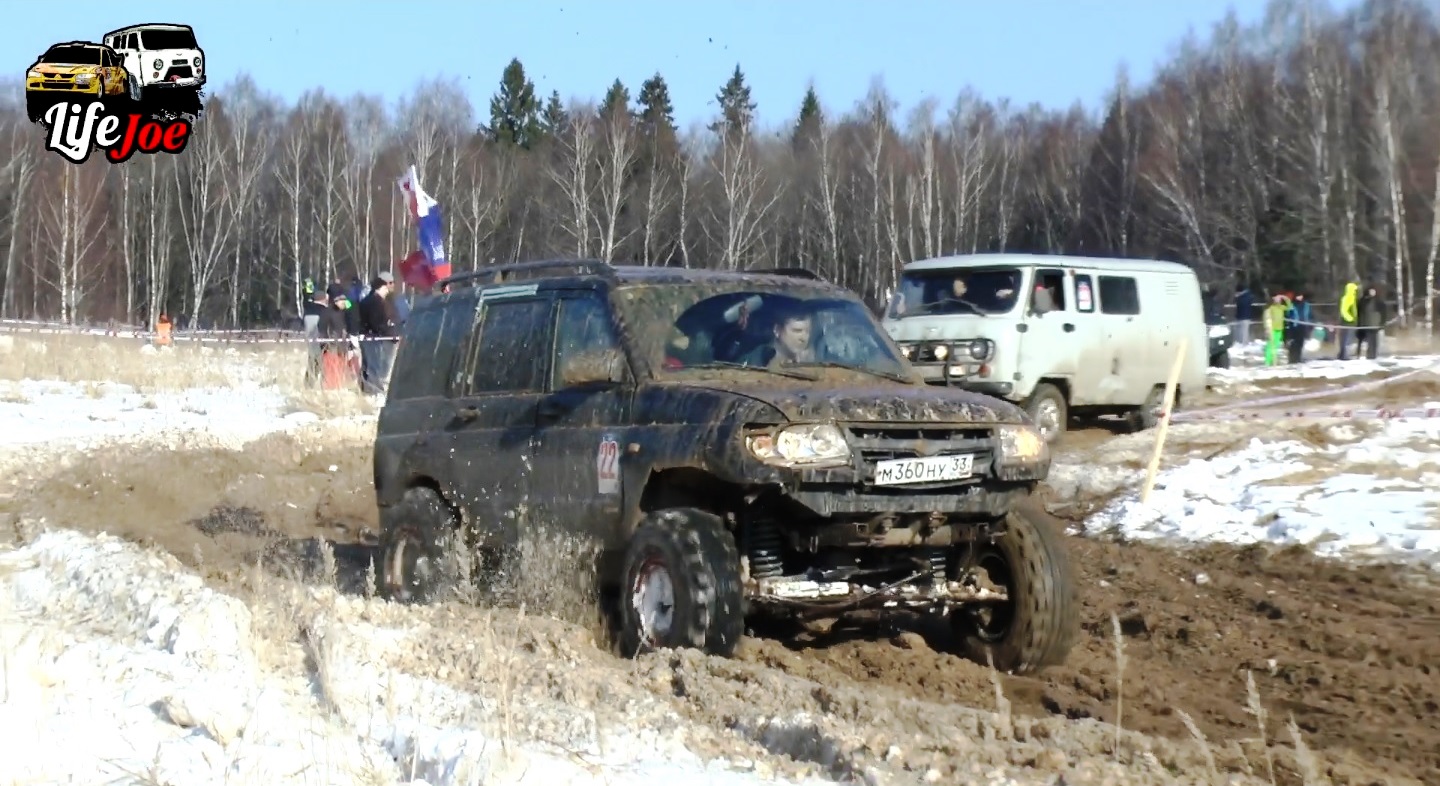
(419, 561)
(1036, 626)
(1046, 406)
(681, 585)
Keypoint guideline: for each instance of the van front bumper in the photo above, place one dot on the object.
(964, 376)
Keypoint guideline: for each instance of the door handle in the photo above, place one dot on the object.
(1069, 327)
(467, 414)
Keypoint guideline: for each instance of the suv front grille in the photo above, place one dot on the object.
(873, 442)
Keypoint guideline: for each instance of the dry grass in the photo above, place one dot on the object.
(96, 361)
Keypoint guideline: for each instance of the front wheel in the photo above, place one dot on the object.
(681, 585)
(1046, 406)
(419, 561)
(1036, 626)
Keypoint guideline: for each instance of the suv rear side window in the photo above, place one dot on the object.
(584, 327)
(432, 335)
(1119, 295)
(513, 347)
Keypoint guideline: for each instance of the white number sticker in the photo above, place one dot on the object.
(607, 466)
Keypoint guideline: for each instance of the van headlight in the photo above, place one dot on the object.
(1219, 331)
(1021, 446)
(817, 445)
(981, 348)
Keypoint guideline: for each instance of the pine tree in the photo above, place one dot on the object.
(515, 110)
(737, 111)
(812, 116)
(616, 102)
(554, 118)
(657, 113)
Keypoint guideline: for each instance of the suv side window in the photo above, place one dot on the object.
(513, 346)
(584, 326)
(1119, 295)
(432, 338)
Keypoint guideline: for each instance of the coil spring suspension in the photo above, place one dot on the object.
(939, 562)
(763, 545)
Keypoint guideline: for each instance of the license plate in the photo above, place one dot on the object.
(923, 470)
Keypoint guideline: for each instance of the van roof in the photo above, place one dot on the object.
(149, 26)
(1047, 260)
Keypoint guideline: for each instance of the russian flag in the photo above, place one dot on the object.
(425, 211)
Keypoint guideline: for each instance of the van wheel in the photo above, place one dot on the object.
(1046, 406)
(418, 559)
(1036, 625)
(681, 585)
(1147, 416)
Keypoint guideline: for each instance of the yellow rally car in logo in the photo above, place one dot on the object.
(77, 71)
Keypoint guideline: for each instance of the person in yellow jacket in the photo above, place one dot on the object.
(1349, 315)
(1274, 319)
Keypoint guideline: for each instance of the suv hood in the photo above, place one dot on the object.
(875, 403)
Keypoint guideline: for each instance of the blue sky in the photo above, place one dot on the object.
(1049, 51)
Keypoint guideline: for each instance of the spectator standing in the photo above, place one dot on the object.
(379, 329)
(311, 310)
(1349, 315)
(1298, 326)
(1370, 311)
(1244, 314)
(1274, 319)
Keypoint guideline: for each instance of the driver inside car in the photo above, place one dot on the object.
(792, 342)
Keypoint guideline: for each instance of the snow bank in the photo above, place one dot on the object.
(118, 663)
(1374, 498)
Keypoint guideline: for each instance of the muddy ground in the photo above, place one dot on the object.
(1349, 653)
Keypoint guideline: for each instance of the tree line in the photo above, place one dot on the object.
(1296, 153)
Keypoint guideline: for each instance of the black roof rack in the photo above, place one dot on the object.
(795, 272)
(494, 274)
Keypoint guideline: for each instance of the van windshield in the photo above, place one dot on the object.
(979, 291)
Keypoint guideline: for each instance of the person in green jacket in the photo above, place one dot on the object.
(1349, 315)
(1274, 319)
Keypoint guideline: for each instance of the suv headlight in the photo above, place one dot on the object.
(1021, 445)
(1219, 331)
(812, 445)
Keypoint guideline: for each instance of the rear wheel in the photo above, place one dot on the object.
(1148, 415)
(681, 585)
(1036, 626)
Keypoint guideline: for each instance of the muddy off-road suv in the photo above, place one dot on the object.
(731, 441)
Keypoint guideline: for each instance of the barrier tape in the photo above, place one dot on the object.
(1377, 413)
(202, 338)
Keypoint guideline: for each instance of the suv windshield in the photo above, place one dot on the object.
(956, 291)
(72, 55)
(167, 39)
(709, 325)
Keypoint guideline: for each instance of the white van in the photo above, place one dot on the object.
(1103, 345)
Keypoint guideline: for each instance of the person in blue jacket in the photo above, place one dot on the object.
(1298, 326)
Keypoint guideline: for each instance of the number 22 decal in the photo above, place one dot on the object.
(607, 466)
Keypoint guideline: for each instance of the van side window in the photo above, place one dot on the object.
(513, 347)
(1049, 292)
(1084, 294)
(1119, 295)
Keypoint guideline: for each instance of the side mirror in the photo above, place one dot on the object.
(598, 366)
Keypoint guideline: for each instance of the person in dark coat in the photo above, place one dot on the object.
(313, 306)
(1244, 314)
(379, 329)
(1371, 320)
(1299, 326)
